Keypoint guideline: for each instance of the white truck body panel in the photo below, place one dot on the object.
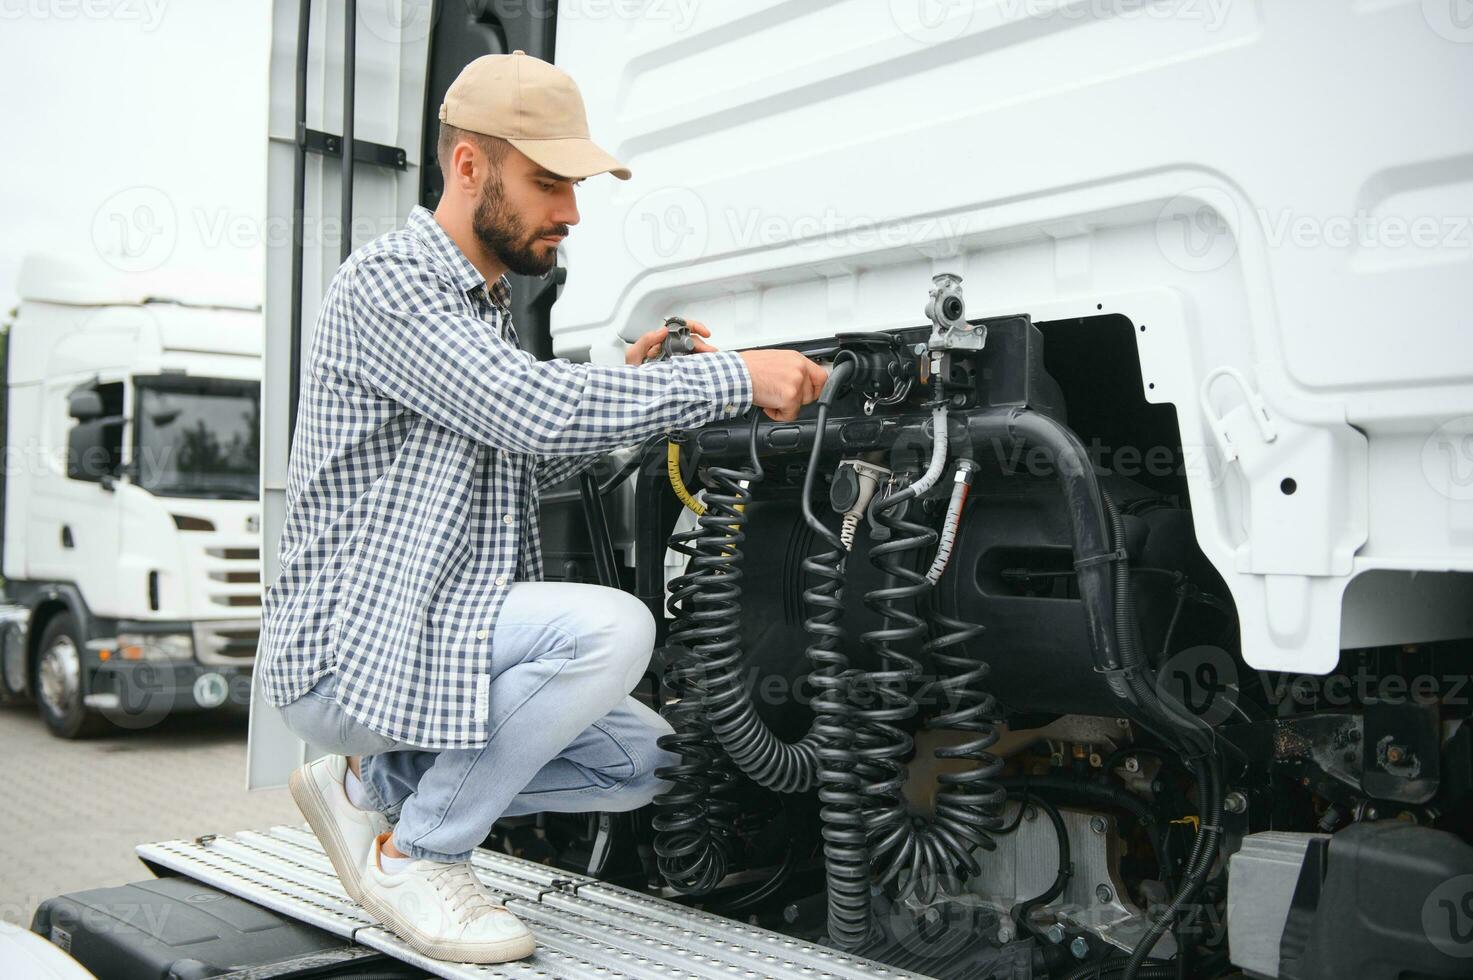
(1222, 174)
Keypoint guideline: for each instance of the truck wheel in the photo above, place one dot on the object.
(58, 681)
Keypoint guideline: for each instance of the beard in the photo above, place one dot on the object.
(501, 232)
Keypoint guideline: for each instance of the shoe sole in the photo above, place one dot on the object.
(314, 808)
(480, 953)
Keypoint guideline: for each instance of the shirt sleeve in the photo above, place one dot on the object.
(419, 345)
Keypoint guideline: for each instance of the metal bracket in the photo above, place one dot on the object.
(331, 145)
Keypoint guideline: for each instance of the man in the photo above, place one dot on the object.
(409, 634)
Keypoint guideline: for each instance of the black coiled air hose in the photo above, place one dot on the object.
(969, 805)
(693, 823)
(845, 841)
(786, 767)
(882, 745)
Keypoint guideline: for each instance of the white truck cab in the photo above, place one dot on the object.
(131, 504)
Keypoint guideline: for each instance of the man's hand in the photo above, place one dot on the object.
(783, 381)
(647, 347)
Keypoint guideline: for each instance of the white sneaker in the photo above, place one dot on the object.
(443, 911)
(345, 832)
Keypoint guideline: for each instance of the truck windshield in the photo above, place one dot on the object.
(198, 437)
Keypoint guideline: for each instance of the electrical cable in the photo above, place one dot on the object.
(677, 482)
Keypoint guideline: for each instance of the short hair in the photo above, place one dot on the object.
(494, 147)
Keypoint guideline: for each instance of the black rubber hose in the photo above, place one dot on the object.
(692, 823)
(927, 852)
(883, 745)
(1092, 543)
(845, 842)
(1204, 854)
(785, 767)
(968, 803)
(1194, 738)
(1019, 912)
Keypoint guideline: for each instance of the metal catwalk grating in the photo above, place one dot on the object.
(584, 928)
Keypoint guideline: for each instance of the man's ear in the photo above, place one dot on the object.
(466, 165)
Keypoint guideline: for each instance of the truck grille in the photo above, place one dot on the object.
(235, 577)
(226, 642)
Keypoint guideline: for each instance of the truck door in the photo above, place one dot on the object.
(73, 533)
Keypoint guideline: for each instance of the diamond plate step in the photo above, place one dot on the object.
(584, 928)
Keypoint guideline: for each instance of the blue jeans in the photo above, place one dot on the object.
(565, 737)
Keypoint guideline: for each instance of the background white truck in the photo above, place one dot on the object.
(131, 501)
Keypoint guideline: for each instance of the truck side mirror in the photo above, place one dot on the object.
(84, 403)
(92, 450)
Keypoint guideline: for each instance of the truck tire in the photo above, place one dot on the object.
(57, 681)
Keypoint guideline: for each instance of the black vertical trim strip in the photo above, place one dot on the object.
(598, 531)
(299, 198)
(350, 87)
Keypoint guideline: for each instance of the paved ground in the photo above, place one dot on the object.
(73, 810)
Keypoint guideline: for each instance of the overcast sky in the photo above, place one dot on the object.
(134, 130)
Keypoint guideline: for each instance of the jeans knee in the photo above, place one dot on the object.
(627, 631)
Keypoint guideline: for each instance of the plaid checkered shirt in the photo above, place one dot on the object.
(424, 434)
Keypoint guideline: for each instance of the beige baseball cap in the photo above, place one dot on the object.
(533, 106)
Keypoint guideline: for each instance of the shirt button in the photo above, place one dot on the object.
(501, 580)
(482, 634)
(506, 518)
(730, 408)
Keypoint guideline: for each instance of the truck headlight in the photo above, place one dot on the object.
(155, 646)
